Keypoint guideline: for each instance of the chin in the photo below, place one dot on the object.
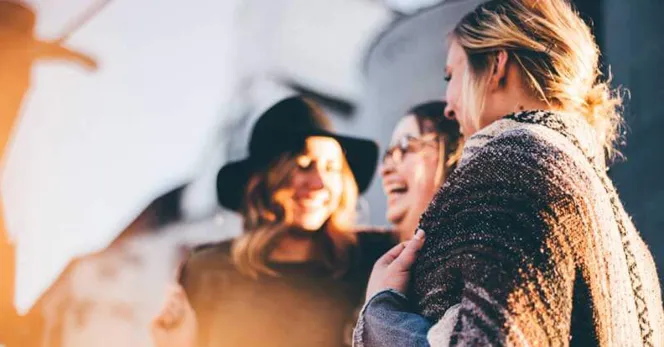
(395, 217)
(312, 223)
(312, 228)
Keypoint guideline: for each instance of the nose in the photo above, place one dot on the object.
(387, 166)
(449, 113)
(315, 179)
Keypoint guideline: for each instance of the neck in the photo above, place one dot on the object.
(296, 246)
(514, 97)
(515, 107)
(405, 231)
(405, 235)
(520, 98)
(530, 105)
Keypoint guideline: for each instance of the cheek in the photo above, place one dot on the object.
(420, 175)
(284, 197)
(455, 100)
(453, 94)
(296, 181)
(335, 185)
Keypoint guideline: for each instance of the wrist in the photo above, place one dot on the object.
(386, 292)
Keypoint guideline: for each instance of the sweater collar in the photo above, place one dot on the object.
(573, 127)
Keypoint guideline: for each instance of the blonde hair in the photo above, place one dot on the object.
(267, 218)
(556, 53)
(449, 153)
(430, 119)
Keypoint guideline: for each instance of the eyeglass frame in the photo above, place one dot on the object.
(404, 146)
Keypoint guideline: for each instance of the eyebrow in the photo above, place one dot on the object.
(395, 141)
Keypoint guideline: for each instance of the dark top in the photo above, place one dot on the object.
(305, 306)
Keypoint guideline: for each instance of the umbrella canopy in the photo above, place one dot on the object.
(410, 6)
(92, 150)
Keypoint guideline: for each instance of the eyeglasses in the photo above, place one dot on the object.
(408, 144)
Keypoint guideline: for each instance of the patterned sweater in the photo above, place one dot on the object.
(529, 245)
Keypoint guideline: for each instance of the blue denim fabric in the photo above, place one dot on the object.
(385, 321)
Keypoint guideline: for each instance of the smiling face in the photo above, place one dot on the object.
(309, 190)
(410, 183)
(316, 184)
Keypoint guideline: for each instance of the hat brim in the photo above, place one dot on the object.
(361, 155)
(45, 50)
(232, 181)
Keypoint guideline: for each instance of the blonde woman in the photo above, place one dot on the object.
(297, 275)
(527, 243)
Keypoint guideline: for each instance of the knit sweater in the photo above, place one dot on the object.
(530, 239)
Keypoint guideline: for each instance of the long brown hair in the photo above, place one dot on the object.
(556, 54)
(266, 219)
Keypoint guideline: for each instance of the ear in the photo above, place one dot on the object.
(499, 73)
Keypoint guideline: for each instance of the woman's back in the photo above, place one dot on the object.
(531, 208)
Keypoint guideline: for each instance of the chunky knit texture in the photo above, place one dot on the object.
(530, 237)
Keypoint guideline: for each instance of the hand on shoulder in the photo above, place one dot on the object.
(392, 270)
(176, 324)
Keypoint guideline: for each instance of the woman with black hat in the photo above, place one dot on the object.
(297, 274)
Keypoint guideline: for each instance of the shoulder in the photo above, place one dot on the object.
(511, 156)
(507, 138)
(516, 178)
(206, 259)
(373, 243)
(541, 140)
(510, 170)
(211, 253)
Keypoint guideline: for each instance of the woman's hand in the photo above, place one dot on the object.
(176, 324)
(392, 270)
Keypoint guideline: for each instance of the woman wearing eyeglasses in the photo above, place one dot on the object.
(423, 152)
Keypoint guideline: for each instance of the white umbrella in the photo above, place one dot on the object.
(92, 150)
(410, 6)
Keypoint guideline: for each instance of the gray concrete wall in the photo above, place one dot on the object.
(634, 48)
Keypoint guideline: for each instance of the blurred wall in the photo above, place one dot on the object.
(634, 48)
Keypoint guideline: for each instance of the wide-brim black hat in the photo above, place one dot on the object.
(17, 24)
(283, 129)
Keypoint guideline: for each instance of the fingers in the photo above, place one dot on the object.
(173, 311)
(176, 324)
(407, 256)
(391, 255)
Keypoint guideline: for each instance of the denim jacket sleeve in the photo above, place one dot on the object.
(385, 321)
